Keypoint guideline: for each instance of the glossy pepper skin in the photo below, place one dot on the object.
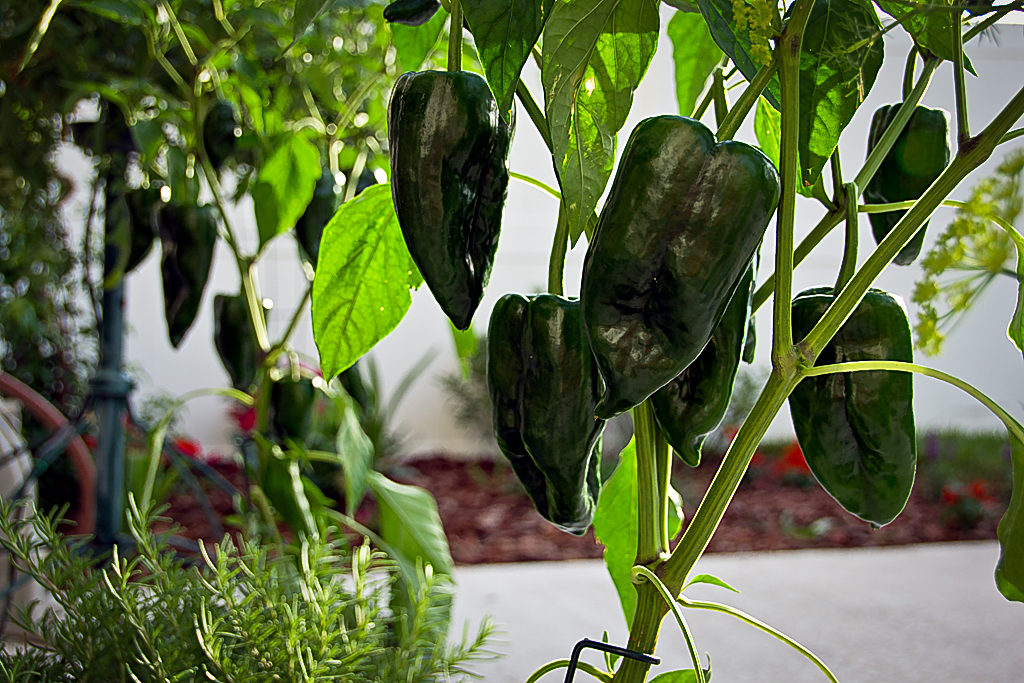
(693, 404)
(918, 157)
(682, 222)
(235, 340)
(856, 429)
(449, 176)
(543, 386)
(411, 12)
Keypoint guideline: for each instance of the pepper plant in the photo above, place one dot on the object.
(667, 287)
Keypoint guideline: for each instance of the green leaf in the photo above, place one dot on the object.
(284, 186)
(413, 44)
(713, 580)
(148, 135)
(596, 53)
(695, 54)
(411, 525)
(681, 676)
(1016, 329)
(505, 31)
(355, 453)
(842, 52)
(735, 43)
(1010, 570)
(616, 526)
(929, 24)
(361, 287)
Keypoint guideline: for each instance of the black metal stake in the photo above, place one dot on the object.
(604, 647)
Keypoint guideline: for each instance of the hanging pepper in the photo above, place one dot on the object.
(544, 386)
(188, 235)
(916, 159)
(411, 12)
(693, 404)
(449, 175)
(235, 340)
(680, 227)
(856, 429)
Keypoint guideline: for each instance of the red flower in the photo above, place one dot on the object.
(949, 496)
(792, 461)
(90, 441)
(188, 447)
(245, 418)
(978, 490)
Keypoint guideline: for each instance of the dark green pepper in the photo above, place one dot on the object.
(918, 157)
(693, 404)
(291, 403)
(856, 429)
(681, 225)
(544, 386)
(449, 175)
(143, 204)
(411, 12)
(310, 226)
(235, 339)
(187, 238)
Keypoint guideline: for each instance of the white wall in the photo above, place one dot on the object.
(978, 350)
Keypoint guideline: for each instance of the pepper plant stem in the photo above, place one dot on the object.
(455, 37)
(849, 264)
(556, 261)
(963, 127)
(651, 504)
(788, 54)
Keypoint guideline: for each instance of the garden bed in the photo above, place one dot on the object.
(488, 518)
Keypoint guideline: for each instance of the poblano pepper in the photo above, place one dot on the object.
(449, 176)
(411, 12)
(693, 404)
(544, 386)
(680, 227)
(916, 159)
(856, 429)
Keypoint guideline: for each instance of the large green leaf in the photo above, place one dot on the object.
(413, 44)
(695, 54)
(842, 52)
(1010, 570)
(735, 42)
(505, 31)
(363, 277)
(928, 24)
(355, 453)
(410, 525)
(285, 185)
(616, 525)
(595, 55)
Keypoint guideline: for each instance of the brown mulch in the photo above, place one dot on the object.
(488, 519)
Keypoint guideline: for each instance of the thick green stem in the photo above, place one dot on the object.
(963, 126)
(732, 122)
(849, 265)
(455, 37)
(556, 260)
(652, 504)
(718, 93)
(788, 54)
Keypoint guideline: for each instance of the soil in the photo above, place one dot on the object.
(488, 518)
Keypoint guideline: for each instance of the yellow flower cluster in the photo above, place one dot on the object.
(754, 18)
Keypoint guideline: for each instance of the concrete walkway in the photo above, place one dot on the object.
(928, 613)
